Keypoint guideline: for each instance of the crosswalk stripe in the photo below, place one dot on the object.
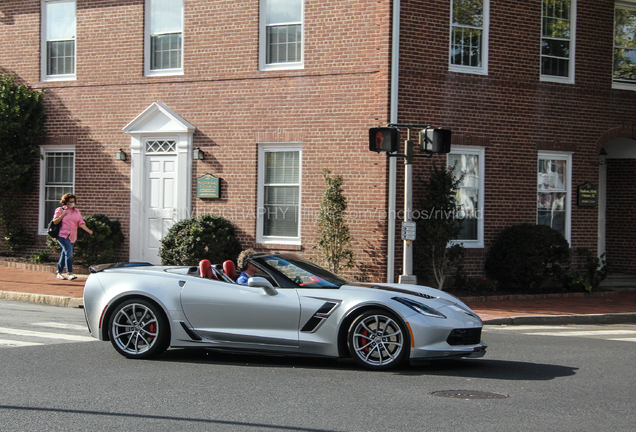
(12, 343)
(584, 333)
(62, 326)
(624, 339)
(19, 332)
(519, 328)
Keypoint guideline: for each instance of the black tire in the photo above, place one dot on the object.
(377, 340)
(138, 329)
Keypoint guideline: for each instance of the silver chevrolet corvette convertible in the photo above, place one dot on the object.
(290, 307)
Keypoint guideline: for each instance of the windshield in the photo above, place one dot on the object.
(303, 273)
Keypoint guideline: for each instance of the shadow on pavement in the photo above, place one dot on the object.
(494, 369)
(488, 369)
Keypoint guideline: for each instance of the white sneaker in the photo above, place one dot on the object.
(71, 276)
(60, 276)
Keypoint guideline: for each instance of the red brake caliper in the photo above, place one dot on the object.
(152, 328)
(365, 340)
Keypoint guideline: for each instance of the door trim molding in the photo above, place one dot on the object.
(157, 121)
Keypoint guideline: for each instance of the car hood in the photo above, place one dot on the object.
(434, 297)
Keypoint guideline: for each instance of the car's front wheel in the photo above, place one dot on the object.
(377, 340)
(138, 329)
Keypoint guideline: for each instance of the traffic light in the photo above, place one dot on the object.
(435, 140)
(384, 139)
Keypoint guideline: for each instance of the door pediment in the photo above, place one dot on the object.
(158, 118)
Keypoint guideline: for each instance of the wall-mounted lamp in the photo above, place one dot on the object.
(602, 159)
(120, 155)
(198, 154)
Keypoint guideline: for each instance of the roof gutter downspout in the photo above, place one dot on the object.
(395, 75)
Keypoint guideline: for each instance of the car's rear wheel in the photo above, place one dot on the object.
(138, 329)
(377, 340)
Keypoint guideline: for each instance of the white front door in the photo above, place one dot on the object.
(160, 202)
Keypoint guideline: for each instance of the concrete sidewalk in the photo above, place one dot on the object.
(612, 307)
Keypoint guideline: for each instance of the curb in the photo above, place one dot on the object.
(610, 318)
(517, 297)
(50, 300)
(45, 268)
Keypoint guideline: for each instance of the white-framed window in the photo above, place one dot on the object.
(281, 34)
(279, 193)
(469, 164)
(470, 21)
(558, 40)
(57, 177)
(164, 38)
(624, 69)
(58, 22)
(554, 191)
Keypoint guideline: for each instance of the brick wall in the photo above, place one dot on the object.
(328, 106)
(512, 111)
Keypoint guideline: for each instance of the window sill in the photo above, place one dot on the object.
(616, 85)
(468, 70)
(468, 244)
(164, 72)
(279, 246)
(282, 66)
(554, 79)
(53, 78)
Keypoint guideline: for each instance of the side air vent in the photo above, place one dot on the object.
(190, 333)
(319, 317)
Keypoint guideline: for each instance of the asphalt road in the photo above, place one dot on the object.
(569, 378)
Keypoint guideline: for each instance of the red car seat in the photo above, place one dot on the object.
(205, 270)
(230, 270)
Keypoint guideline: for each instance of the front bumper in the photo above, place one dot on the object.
(424, 355)
(457, 336)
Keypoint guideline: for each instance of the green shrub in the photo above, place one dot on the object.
(475, 284)
(22, 120)
(205, 237)
(525, 257)
(589, 274)
(39, 257)
(437, 226)
(334, 238)
(98, 248)
(17, 238)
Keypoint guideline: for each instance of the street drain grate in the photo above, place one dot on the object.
(469, 394)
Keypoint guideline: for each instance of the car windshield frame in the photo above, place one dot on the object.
(300, 272)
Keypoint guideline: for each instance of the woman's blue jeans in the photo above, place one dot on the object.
(66, 257)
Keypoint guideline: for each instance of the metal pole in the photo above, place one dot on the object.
(407, 276)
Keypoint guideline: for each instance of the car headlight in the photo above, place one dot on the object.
(420, 308)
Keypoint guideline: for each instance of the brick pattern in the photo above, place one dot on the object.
(516, 114)
(329, 105)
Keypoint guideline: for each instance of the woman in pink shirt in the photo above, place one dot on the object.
(70, 218)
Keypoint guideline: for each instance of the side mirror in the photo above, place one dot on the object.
(261, 282)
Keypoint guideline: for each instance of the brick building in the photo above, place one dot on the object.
(271, 92)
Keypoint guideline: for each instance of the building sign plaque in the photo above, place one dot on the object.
(588, 195)
(208, 187)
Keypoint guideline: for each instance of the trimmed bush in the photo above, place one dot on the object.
(525, 257)
(98, 248)
(205, 237)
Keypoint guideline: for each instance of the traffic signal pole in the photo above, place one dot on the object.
(407, 276)
(431, 141)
